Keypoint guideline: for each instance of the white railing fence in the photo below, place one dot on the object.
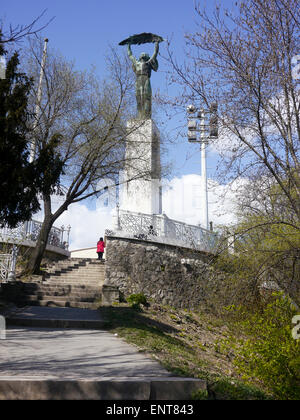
(162, 229)
(5, 262)
(8, 265)
(30, 230)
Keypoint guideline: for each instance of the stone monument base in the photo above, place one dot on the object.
(140, 181)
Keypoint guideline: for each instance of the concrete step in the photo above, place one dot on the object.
(83, 274)
(76, 276)
(52, 298)
(58, 304)
(80, 363)
(68, 270)
(75, 272)
(81, 283)
(77, 262)
(64, 293)
(67, 267)
(70, 298)
(55, 292)
(117, 389)
(56, 317)
(95, 267)
(82, 279)
(59, 286)
(75, 283)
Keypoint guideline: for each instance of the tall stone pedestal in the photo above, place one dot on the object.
(141, 180)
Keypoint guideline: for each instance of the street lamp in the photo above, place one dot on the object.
(201, 132)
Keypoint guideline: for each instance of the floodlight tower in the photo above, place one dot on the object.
(197, 124)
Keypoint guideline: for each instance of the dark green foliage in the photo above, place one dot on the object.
(18, 198)
(49, 166)
(137, 299)
(21, 181)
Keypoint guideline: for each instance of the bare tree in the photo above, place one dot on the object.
(89, 118)
(246, 61)
(15, 34)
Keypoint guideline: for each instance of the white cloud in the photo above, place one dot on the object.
(86, 225)
(183, 200)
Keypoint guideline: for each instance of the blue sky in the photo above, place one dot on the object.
(83, 30)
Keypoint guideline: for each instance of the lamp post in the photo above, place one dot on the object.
(201, 132)
(38, 102)
(2, 67)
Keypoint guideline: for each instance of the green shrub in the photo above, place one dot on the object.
(136, 300)
(269, 353)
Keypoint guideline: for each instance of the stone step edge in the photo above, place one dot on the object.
(66, 298)
(79, 276)
(56, 323)
(60, 304)
(64, 289)
(37, 286)
(68, 270)
(63, 293)
(133, 388)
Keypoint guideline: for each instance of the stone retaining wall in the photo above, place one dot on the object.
(168, 274)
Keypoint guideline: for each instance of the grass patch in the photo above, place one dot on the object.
(185, 344)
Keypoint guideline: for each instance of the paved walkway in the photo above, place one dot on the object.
(55, 317)
(74, 363)
(69, 353)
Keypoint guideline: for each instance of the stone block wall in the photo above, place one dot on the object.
(168, 274)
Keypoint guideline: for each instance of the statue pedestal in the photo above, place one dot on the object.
(141, 179)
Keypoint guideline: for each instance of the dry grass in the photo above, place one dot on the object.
(184, 342)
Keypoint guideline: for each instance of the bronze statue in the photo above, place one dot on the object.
(142, 68)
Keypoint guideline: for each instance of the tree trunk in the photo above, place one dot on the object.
(36, 257)
(33, 266)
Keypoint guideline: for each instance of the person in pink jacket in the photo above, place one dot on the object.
(100, 248)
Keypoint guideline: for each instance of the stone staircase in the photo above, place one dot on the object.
(75, 283)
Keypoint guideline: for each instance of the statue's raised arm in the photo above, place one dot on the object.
(153, 59)
(130, 55)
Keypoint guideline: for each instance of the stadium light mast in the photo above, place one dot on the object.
(201, 132)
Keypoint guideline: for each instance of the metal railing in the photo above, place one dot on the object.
(58, 237)
(5, 263)
(8, 264)
(160, 227)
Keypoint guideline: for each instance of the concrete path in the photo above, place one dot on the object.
(72, 354)
(56, 317)
(69, 363)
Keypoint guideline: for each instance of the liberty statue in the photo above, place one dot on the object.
(143, 68)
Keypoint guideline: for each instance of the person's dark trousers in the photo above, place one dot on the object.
(100, 254)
